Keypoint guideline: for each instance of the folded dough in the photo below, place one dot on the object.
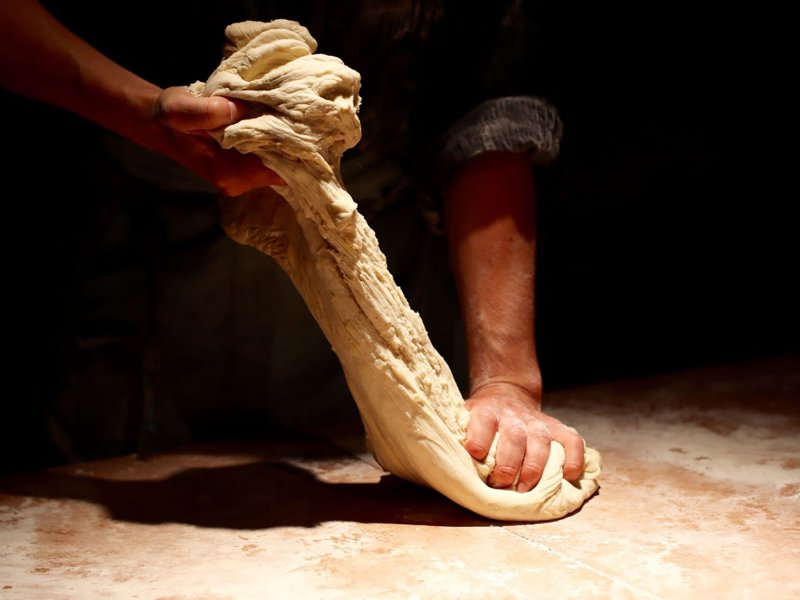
(302, 118)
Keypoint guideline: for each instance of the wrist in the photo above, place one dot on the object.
(138, 118)
(527, 384)
(121, 102)
(504, 359)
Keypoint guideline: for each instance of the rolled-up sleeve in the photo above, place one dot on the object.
(508, 124)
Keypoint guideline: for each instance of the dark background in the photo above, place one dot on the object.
(666, 239)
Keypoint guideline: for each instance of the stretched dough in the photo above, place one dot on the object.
(302, 118)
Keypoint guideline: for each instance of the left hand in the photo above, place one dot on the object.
(525, 436)
(186, 118)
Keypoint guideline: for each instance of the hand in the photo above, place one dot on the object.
(187, 118)
(42, 59)
(525, 436)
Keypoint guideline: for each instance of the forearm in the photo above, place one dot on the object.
(490, 225)
(41, 59)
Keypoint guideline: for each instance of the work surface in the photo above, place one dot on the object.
(700, 497)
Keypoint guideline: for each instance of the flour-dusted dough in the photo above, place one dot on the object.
(302, 118)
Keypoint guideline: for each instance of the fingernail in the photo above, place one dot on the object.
(233, 110)
(523, 487)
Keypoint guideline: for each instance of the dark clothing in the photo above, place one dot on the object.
(159, 329)
(442, 80)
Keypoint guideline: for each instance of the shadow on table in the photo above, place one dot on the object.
(258, 495)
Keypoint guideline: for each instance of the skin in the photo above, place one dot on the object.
(489, 217)
(490, 226)
(62, 69)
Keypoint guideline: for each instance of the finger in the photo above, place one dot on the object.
(239, 109)
(574, 447)
(537, 452)
(186, 112)
(234, 173)
(480, 431)
(510, 452)
(230, 171)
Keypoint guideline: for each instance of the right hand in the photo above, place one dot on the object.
(186, 119)
(525, 435)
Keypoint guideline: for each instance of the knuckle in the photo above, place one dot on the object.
(573, 467)
(502, 475)
(483, 412)
(162, 112)
(505, 471)
(167, 105)
(533, 467)
(575, 441)
(476, 447)
(539, 431)
(572, 473)
(513, 427)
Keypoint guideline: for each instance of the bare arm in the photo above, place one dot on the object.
(490, 225)
(41, 59)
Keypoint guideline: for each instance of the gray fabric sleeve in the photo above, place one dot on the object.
(510, 124)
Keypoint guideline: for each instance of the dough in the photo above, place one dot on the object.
(303, 117)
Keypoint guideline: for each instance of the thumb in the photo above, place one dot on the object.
(185, 112)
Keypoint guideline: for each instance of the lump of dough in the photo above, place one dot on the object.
(303, 116)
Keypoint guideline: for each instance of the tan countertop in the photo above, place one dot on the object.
(700, 497)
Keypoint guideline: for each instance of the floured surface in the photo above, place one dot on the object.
(702, 501)
(302, 117)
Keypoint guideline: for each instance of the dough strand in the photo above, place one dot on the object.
(303, 116)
